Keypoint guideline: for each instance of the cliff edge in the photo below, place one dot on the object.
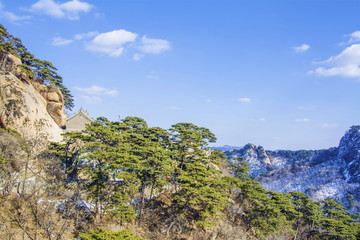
(25, 110)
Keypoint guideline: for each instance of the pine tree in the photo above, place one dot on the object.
(308, 214)
(337, 222)
(200, 189)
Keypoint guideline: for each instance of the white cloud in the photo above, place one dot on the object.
(81, 36)
(10, 16)
(351, 55)
(154, 46)
(98, 91)
(343, 71)
(59, 41)
(111, 43)
(354, 37)
(115, 42)
(302, 120)
(91, 99)
(69, 10)
(345, 64)
(208, 100)
(262, 119)
(328, 125)
(302, 48)
(244, 99)
(138, 56)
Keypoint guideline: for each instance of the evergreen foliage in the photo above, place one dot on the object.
(337, 222)
(167, 181)
(102, 234)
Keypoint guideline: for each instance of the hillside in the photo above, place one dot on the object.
(321, 174)
(126, 180)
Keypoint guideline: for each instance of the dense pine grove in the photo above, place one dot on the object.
(119, 173)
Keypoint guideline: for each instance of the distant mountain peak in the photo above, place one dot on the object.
(327, 173)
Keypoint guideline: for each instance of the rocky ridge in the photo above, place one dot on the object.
(321, 174)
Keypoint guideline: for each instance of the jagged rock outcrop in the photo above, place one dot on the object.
(255, 157)
(52, 95)
(10, 63)
(24, 109)
(349, 153)
(54, 102)
(329, 173)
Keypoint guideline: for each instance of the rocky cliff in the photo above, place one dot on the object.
(25, 110)
(329, 173)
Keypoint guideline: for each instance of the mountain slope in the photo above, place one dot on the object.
(321, 174)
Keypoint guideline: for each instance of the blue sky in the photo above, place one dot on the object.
(281, 74)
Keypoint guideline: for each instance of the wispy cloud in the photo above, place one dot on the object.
(152, 75)
(95, 93)
(98, 91)
(81, 36)
(69, 10)
(12, 17)
(208, 100)
(262, 119)
(112, 43)
(354, 37)
(91, 99)
(302, 120)
(302, 48)
(244, 100)
(59, 41)
(153, 46)
(138, 56)
(328, 125)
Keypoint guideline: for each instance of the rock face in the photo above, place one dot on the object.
(24, 109)
(55, 102)
(349, 153)
(321, 174)
(52, 95)
(256, 157)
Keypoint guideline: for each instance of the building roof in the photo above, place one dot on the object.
(83, 112)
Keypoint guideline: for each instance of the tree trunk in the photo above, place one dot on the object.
(297, 229)
(3, 61)
(24, 227)
(152, 189)
(97, 212)
(142, 201)
(76, 206)
(24, 180)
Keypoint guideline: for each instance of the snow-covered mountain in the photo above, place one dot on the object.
(328, 173)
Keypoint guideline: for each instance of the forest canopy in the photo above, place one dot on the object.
(158, 183)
